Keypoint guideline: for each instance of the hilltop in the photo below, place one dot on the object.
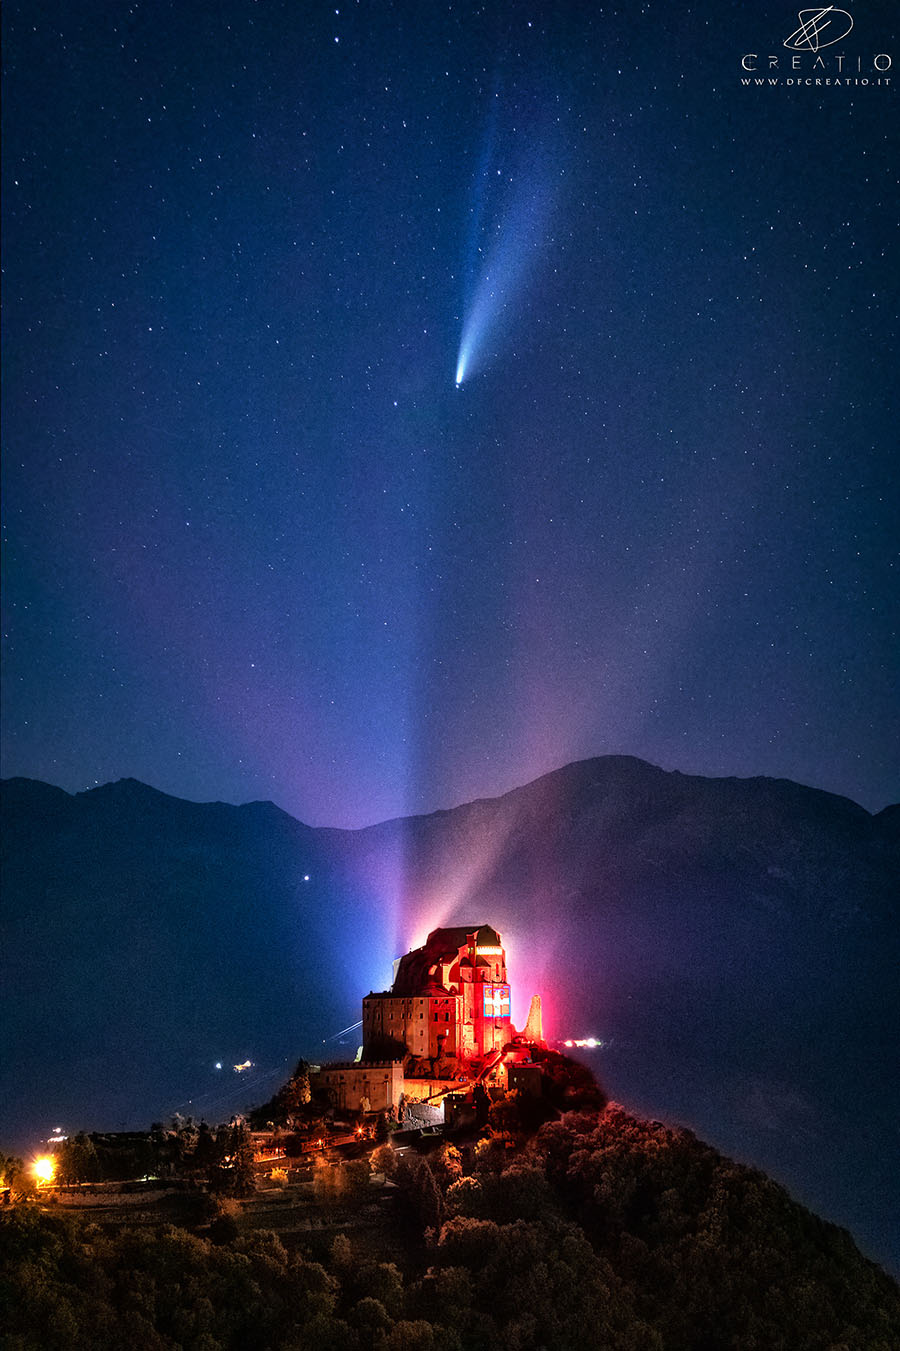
(597, 1229)
(733, 942)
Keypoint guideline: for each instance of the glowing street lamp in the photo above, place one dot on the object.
(44, 1170)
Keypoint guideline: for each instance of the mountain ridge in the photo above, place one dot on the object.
(733, 943)
(129, 781)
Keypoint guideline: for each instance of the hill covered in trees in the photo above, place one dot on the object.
(597, 1230)
(733, 942)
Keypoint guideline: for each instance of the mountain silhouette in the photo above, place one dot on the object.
(734, 944)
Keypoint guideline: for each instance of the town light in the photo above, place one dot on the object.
(44, 1169)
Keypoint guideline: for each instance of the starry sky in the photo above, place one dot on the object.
(404, 399)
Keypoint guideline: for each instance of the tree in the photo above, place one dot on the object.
(410, 1336)
(416, 1180)
(429, 1202)
(22, 1183)
(447, 1166)
(206, 1151)
(297, 1092)
(382, 1281)
(235, 1174)
(466, 1196)
(11, 1169)
(328, 1181)
(289, 1104)
(242, 1160)
(76, 1160)
(505, 1117)
(383, 1160)
(341, 1253)
(382, 1131)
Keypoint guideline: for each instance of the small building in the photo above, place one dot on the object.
(351, 1086)
(525, 1078)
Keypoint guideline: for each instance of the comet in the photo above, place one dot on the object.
(505, 246)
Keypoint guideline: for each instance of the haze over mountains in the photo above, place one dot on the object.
(735, 943)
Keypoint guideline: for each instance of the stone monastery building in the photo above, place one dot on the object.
(444, 1023)
(449, 1000)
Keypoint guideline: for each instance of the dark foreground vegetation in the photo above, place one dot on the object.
(594, 1231)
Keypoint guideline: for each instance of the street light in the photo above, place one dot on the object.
(44, 1169)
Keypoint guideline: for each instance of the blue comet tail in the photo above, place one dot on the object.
(518, 240)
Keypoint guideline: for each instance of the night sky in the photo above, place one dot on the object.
(260, 544)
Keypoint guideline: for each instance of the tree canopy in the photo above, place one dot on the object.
(599, 1230)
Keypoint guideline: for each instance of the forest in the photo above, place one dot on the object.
(591, 1230)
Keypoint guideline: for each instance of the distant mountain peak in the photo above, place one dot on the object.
(594, 771)
(19, 783)
(127, 786)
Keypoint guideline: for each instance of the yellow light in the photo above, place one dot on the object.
(44, 1169)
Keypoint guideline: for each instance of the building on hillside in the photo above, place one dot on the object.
(360, 1086)
(445, 1019)
(449, 1000)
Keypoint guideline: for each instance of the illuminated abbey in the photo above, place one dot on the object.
(443, 1025)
